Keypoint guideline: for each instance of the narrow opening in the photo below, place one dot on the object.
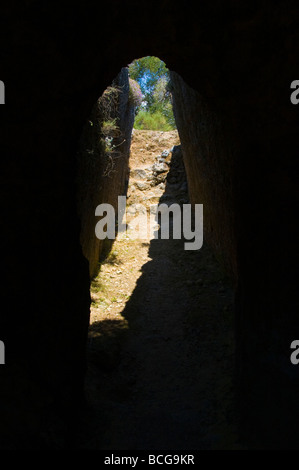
(161, 333)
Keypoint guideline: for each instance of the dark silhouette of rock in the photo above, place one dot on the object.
(239, 59)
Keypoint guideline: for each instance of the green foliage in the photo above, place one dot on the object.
(162, 101)
(146, 71)
(151, 121)
(110, 128)
(153, 78)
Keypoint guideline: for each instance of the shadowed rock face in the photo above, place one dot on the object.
(56, 62)
(209, 161)
(103, 161)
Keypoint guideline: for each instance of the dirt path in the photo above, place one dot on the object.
(161, 341)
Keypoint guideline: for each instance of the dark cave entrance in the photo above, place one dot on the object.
(161, 316)
(239, 135)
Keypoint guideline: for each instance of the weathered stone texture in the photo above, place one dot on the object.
(103, 161)
(208, 158)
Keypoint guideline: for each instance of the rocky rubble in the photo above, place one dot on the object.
(157, 175)
(165, 179)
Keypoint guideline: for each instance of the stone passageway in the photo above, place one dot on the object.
(160, 347)
(161, 343)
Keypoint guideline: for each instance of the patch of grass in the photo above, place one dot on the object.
(109, 127)
(97, 287)
(99, 303)
(112, 257)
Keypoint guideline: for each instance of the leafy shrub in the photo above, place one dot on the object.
(151, 121)
(152, 76)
